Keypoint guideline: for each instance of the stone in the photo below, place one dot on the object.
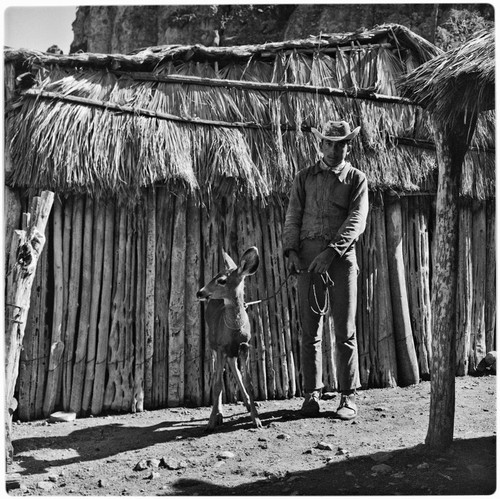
(381, 468)
(153, 476)
(153, 463)
(141, 465)
(62, 417)
(45, 485)
(381, 457)
(341, 452)
(226, 455)
(325, 446)
(423, 466)
(53, 478)
(283, 436)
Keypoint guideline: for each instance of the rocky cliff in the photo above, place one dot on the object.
(124, 29)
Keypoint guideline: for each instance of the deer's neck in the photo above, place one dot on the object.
(235, 315)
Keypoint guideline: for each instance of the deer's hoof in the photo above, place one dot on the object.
(215, 421)
(257, 423)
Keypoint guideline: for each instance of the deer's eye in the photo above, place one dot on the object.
(221, 281)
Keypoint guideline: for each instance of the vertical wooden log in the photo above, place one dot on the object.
(276, 230)
(255, 230)
(43, 351)
(95, 299)
(150, 297)
(12, 198)
(126, 364)
(490, 305)
(27, 245)
(104, 312)
(57, 346)
(176, 317)
(31, 355)
(140, 315)
(164, 224)
(116, 345)
(405, 348)
(377, 351)
(479, 255)
(210, 266)
(69, 207)
(452, 141)
(78, 376)
(193, 367)
(267, 277)
(418, 278)
(464, 290)
(73, 299)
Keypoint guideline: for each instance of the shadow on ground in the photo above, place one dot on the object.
(467, 468)
(108, 440)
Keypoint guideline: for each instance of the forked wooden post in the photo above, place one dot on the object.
(27, 245)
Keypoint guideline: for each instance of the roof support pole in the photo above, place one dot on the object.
(27, 245)
(452, 141)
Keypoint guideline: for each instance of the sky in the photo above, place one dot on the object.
(39, 27)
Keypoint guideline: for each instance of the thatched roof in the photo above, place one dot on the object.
(456, 82)
(103, 124)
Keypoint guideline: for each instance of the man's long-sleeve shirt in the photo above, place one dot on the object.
(326, 205)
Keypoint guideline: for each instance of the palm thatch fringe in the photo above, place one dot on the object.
(459, 81)
(224, 139)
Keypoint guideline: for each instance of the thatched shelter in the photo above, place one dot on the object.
(163, 157)
(456, 87)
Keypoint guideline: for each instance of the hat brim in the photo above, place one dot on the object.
(349, 136)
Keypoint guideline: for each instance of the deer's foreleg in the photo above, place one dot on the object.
(216, 417)
(245, 382)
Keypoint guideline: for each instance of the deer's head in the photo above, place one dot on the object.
(228, 284)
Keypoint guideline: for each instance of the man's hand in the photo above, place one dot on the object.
(293, 262)
(323, 261)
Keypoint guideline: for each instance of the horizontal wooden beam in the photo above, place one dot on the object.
(361, 93)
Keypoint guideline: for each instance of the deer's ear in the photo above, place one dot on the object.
(228, 261)
(249, 261)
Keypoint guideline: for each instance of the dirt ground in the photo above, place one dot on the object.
(167, 452)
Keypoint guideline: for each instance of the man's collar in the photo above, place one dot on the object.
(321, 166)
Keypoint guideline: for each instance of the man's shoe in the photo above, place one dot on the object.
(347, 408)
(310, 407)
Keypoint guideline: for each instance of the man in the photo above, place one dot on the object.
(326, 215)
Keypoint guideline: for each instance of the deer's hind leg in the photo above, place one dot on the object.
(244, 381)
(216, 417)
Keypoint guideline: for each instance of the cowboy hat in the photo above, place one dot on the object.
(335, 131)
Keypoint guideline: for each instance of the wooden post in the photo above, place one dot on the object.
(57, 346)
(193, 341)
(176, 318)
(150, 296)
(97, 260)
(490, 306)
(73, 299)
(405, 348)
(479, 271)
(78, 377)
(464, 289)
(418, 277)
(27, 245)
(451, 146)
(104, 312)
(377, 351)
(140, 316)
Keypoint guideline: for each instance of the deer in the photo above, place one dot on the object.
(229, 331)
